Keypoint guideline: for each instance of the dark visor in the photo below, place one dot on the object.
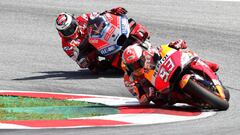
(71, 29)
(136, 65)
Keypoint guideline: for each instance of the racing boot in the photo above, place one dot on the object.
(212, 65)
(144, 100)
(157, 98)
(151, 93)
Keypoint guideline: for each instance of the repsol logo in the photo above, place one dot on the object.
(163, 59)
(159, 64)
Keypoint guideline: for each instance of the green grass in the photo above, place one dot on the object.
(25, 108)
(14, 101)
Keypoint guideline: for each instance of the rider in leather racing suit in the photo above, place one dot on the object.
(73, 32)
(139, 61)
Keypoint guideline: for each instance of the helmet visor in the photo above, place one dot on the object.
(70, 30)
(135, 66)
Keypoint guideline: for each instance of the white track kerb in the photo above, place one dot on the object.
(130, 113)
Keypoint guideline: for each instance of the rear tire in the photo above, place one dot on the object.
(197, 91)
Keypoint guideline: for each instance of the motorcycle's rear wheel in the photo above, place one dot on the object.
(203, 94)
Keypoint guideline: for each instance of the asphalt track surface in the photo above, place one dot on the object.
(32, 59)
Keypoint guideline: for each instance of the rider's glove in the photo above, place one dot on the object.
(118, 11)
(179, 44)
(75, 43)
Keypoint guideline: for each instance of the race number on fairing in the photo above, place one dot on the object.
(166, 69)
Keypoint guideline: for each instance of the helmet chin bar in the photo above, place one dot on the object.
(74, 35)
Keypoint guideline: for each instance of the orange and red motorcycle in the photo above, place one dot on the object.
(188, 79)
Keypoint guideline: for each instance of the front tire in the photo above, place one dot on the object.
(201, 93)
(227, 94)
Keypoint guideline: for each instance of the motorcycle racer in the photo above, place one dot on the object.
(74, 32)
(139, 61)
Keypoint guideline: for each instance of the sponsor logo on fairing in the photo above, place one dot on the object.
(109, 17)
(159, 64)
(109, 33)
(124, 26)
(109, 50)
(67, 48)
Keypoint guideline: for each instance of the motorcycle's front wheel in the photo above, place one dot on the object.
(227, 94)
(195, 90)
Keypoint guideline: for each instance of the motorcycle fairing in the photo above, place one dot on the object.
(171, 60)
(106, 41)
(203, 67)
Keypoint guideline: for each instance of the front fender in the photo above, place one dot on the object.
(199, 65)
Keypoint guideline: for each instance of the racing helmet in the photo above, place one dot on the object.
(67, 25)
(134, 59)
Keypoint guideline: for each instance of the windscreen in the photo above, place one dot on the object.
(96, 25)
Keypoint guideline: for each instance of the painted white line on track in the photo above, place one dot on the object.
(111, 101)
(139, 119)
(12, 126)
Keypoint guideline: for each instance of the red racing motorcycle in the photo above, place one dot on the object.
(110, 34)
(188, 79)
